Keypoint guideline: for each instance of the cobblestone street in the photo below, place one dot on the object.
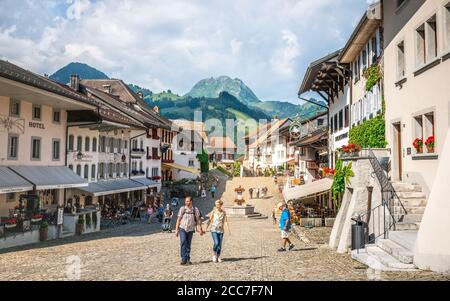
(142, 252)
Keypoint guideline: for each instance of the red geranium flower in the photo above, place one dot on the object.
(430, 141)
(418, 143)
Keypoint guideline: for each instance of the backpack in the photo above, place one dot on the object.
(195, 216)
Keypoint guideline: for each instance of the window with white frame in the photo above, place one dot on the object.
(36, 113)
(93, 172)
(426, 42)
(13, 147)
(101, 171)
(401, 68)
(79, 170)
(56, 115)
(86, 172)
(35, 148)
(118, 170)
(94, 145)
(447, 25)
(87, 144)
(14, 108)
(79, 143)
(111, 170)
(56, 149)
(424, 128)
(155, 172)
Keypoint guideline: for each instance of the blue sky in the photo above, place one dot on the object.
(172, 44)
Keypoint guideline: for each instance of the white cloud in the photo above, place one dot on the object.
(172, 44)
(284, 58)
(235, 46)
(77, 8)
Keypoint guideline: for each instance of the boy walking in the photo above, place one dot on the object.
(285, 226)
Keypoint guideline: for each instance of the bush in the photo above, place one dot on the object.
(370, 134)
(44, 224)
(224, 171)
(204, 161)
(342, 175)
(237, 169)
(81, 220)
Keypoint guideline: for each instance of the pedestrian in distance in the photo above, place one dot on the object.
(204, 194)
(257, 193)
(218, 221)
(274, 215)
(250, 191)
(213, 190)
(285, 227)
(188, 221)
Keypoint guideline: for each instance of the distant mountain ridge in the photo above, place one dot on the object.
(212, 87)
(206, 95)
(85, 71)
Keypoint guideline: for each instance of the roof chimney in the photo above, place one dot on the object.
(140, 94)
(156, 110)
(107, 89)
(75, 82)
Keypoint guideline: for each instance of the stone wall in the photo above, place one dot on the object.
(354, 203)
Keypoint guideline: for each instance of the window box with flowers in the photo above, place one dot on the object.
(418, 145)
(350, 151)
(37, 218)
(157, 178)
(9, 222)
(430, 144)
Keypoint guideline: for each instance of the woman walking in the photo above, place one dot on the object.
(218, 220)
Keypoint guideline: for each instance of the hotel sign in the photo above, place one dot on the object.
(36, 125)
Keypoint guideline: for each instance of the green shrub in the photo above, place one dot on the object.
(204, 161)
(237, 169)
(81, 220)
(373, 76)
(224, 171)
(341, 178)
(370, 134)
(44, 224)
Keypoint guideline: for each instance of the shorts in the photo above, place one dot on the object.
(285, 234)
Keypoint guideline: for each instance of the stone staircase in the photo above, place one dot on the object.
(396, 252)
(414, 201)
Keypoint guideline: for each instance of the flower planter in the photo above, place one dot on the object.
(43, 234)
(419, 150)
(36, 220)
(10, 226)
(430, 149)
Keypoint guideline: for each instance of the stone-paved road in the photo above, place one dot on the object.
(142, 252)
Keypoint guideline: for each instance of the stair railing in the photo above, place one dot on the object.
(391, 210)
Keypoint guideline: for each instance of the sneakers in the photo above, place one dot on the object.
(291, 246)
(219, 259)
(214, 258)
(183, 263)
(281, 250)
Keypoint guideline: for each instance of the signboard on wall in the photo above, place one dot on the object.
(60, 219)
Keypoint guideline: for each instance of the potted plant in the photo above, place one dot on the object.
(10, 223)
(80, 225)
(418, 145)
(43, 231)
(430, 144)
(37, 217)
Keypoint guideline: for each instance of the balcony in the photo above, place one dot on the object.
(137, 151)
(168, 161)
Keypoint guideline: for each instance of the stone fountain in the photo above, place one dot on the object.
(240, 209)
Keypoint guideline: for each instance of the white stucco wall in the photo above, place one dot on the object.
(422, 93)
(432, 250)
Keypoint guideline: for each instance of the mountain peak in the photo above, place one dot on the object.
(83, 70)
(212, 87)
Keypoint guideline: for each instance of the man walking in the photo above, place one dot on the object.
(285, 226)
(188, 220)
(250, 191)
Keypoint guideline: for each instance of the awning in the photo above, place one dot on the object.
(227, 161)
(146, 182)
(50, 177)
(112, 187)
(312, 188)
(11, 182)
(181, 167)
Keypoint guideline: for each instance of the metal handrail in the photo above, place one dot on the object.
(388, 195)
